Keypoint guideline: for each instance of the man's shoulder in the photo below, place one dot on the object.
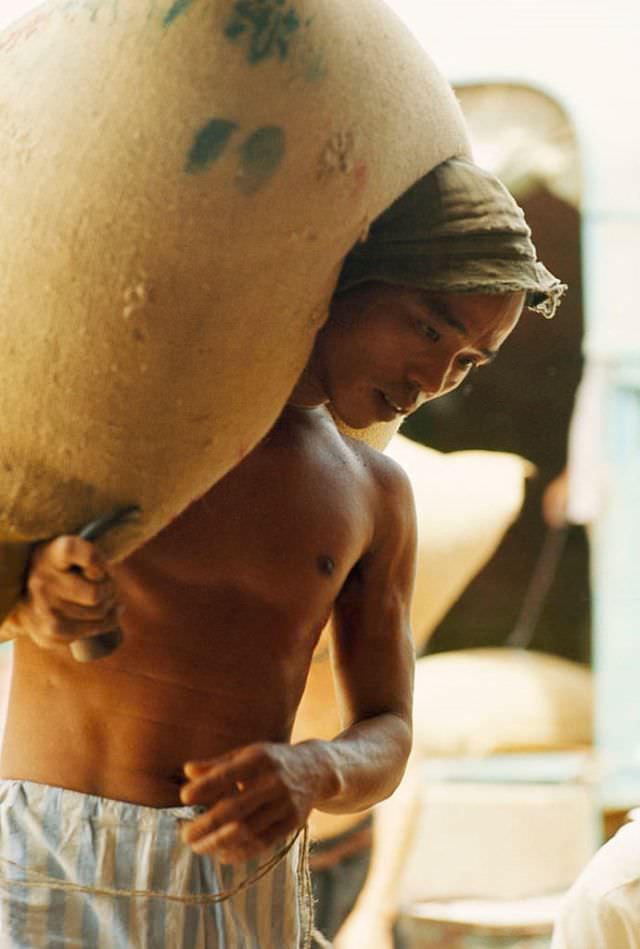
(386, 475)
(329, 449)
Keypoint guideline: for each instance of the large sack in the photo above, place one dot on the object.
(180, 180)
(490, 700)
(465, 503)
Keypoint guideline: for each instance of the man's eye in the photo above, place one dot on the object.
(429, 331)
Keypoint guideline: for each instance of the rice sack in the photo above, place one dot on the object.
(180, 181)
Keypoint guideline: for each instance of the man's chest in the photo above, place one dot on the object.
(276, 535)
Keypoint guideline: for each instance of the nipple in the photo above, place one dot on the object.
(326, 565)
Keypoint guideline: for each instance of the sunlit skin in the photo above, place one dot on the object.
(222, 610)
(417, 345)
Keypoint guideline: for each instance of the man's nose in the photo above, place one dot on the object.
(432, 381)
(429, 382)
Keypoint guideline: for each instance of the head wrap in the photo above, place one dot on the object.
(456, 230)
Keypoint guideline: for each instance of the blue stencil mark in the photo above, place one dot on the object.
(208, 145)
(177, 9)
(269, 26)
(260, 158)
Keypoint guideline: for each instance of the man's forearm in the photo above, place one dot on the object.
(361, 766)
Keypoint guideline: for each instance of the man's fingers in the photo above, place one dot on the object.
(66, 552)
(240, 844)
(207, 789)
(239, 840)
(74, 590)
(209, 782)
(239, 806)
(53, 629)
(243, 846)
(78, 599)
(210, 842)
(94, 573)
(253, 800)
(72, 605)
(69, 594)
(55, 588)
(194, 769)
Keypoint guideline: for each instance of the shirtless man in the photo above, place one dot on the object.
(220, 614)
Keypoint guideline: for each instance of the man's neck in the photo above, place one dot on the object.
(308, 393)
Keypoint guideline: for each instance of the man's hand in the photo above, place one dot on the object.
(256, 796)
(69, 594)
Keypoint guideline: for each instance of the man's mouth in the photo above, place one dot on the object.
(398, 409)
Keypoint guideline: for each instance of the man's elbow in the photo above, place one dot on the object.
(402, 742)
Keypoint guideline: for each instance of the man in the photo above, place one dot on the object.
(474, 237)
(220, 615)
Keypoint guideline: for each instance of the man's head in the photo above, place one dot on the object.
(432, 293)
(388, 349)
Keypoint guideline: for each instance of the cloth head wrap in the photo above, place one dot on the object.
(456, 230)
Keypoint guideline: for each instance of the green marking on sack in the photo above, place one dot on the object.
(177, 9)
(260, 158)
(208, 145)
(269, 26)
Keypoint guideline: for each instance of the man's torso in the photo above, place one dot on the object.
(221, 614)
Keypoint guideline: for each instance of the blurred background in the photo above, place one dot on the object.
(549, 91)
(524, 402)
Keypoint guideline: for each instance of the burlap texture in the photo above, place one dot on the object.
(180, 183)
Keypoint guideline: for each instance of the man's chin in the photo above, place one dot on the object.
(356, 422)
(363, 413)
(377, 433)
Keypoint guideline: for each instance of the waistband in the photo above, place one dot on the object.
(44, 798)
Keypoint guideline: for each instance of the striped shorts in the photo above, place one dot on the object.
(84, 872)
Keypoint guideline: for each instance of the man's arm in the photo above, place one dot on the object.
(373, 655)
(258, 794)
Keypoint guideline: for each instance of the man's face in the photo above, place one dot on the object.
(386, 350)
